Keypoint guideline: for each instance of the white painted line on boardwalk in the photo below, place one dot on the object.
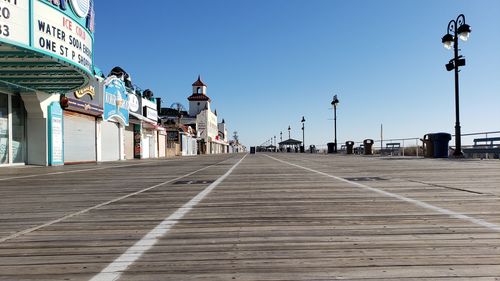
(76, 171)
(450, 213)
(118, 266)
(29, 230)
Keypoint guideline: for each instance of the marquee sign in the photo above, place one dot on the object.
(14, 22)
(61, 37)
(62, 29)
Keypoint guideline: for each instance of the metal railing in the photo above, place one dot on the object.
(412, 146)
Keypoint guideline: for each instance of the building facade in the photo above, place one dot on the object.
(82, 117)
(34, 72)
(206, 124)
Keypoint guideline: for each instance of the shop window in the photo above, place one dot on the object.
(18, 130)
(4, 129)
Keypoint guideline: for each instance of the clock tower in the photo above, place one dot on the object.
(198, 101)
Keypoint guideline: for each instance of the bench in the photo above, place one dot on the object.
(483, 147)
(392, 148)
(359, 150)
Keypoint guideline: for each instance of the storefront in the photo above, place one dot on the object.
(150, 129)
(12, 129)
(173, 142)
(111, 140)
(115, 119)
(38, 64)
(189, 143)
(206, 126)
(135, 111)
(82, 110)
(149, 137)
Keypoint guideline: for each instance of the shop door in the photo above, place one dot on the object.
(145, 146)
(110, 132)
(153, 147)
(79, 137)
(161, 145)
(4, 129)
(129, 142)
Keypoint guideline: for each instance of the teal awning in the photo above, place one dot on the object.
(26, 71)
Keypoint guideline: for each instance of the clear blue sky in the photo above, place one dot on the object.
(269, 62)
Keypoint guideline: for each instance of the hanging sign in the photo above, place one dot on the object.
(134, 103)
(14, 21)
(150, 113)
(87, 100)
(115, 100)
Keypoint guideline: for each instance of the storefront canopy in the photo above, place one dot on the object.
(23, 70)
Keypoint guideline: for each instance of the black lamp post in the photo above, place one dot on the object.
(281, 138)
(288, 131)
(303, 134)
(456, 29)
(335, 101)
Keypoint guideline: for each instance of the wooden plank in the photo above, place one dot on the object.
(266, 221)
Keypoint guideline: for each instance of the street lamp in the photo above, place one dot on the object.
(303, 135)
(456, 29)
(281, 136)
(335, 101)
(288, 131)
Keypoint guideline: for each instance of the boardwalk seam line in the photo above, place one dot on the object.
(450, 213)
(35, 228)
(119, 265)
(77, 171)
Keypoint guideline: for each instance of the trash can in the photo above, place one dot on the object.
(288, 149)
(428, 146)
(312, 149)
(252, 150)
(331, 147)
(302, 150)
(349, 147)
(368, 143)
(440, 142)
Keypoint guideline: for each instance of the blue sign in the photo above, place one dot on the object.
(115, 100)
(55, 126)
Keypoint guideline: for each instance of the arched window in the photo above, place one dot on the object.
(198, 90)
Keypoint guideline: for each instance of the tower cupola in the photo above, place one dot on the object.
(199, 100)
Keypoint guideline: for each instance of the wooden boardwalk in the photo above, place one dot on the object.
(274, 217)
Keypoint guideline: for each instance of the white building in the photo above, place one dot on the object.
(209, 139)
